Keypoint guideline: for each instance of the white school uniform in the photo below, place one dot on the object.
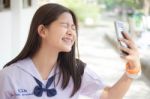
(17, 82)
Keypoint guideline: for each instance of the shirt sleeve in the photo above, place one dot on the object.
(4, 85)
(92, 85)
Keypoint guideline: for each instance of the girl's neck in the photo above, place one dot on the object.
(45, 61)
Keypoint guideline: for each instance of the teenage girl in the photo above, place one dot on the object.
(47, 68)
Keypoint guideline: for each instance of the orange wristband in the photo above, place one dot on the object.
(132, 71)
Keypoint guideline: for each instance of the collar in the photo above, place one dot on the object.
(28, 66)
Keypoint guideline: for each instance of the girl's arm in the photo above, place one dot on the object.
(118, 90)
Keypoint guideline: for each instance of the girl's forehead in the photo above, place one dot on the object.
(65, 16)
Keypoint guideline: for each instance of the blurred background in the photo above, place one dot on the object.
(97, 38)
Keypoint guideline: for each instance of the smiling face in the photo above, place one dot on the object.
(60, 34)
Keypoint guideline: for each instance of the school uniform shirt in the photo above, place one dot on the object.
(17, 82)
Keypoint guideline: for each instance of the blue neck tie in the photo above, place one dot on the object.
(38, 90)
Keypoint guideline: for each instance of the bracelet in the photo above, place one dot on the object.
(133, 73)
(134, 76)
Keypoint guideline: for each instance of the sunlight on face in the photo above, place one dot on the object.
(61, 34)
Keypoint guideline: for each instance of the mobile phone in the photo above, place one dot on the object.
(120, 27)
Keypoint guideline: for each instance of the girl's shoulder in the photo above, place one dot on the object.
(89, 74)
(7, 74)
(92, 84)
(8, 70)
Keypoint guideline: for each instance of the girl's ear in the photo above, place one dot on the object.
(41, 31)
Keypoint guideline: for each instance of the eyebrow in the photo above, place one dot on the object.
(66, 23)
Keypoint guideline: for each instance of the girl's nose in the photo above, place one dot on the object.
(69, 31)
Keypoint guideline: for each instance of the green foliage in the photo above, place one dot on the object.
(125, 3)
(82, 9)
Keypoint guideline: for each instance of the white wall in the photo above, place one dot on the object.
(5, 37)
(14, 29)
(26, 17)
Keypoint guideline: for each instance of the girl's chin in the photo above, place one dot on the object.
(66, 50)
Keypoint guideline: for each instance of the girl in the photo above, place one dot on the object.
(47, 68)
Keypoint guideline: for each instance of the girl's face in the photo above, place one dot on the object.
(61, 34)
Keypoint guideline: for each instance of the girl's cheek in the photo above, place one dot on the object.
(64, 30)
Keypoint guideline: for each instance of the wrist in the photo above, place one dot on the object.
(133, 76)
(133, 73)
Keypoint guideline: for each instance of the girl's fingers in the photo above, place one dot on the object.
(129, 43)
(128, 58)
(126, 36)
(126, 50)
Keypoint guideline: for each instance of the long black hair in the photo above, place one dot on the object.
(69, 66)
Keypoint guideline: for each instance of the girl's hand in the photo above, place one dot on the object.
(133, 58)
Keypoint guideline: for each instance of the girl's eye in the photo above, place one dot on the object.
(64, 25)
(73, 27)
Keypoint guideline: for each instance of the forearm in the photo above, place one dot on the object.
(133, 69)
(118, 90)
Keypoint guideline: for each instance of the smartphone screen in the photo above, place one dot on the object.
(120, 27)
